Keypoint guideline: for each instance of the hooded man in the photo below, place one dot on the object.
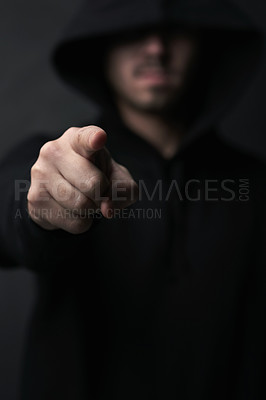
(164, 297)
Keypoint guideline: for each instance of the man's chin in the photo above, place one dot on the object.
(156, 104)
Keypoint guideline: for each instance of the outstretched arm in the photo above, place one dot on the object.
(48, 186)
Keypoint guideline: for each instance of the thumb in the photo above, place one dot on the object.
(88, 140)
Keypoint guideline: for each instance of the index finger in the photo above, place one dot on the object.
(87, 140)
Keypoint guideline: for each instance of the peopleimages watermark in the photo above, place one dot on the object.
(192, 190)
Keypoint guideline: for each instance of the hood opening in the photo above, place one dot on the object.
(230, 53)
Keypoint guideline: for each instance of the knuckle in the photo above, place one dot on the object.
(33, 196)
(74, 136)
(38, 192)
(78, 226)
(50, 149)
(80, 202)
(36, 171)
(71, 130)
(62, 191)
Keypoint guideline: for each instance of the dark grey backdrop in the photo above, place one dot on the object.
(32, 99)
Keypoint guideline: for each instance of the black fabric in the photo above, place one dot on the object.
(164, 307)
(167, 307)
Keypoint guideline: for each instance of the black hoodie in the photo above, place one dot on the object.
(166, 301)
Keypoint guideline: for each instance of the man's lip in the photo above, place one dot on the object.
(154, 76)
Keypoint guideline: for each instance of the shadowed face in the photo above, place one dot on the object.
(150, 71)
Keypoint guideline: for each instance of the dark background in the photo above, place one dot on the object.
(34, 100)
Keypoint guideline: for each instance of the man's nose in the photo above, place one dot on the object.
(155, 45)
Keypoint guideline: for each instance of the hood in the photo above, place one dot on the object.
(230, 54)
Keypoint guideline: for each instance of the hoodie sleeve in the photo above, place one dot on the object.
(22, 241)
